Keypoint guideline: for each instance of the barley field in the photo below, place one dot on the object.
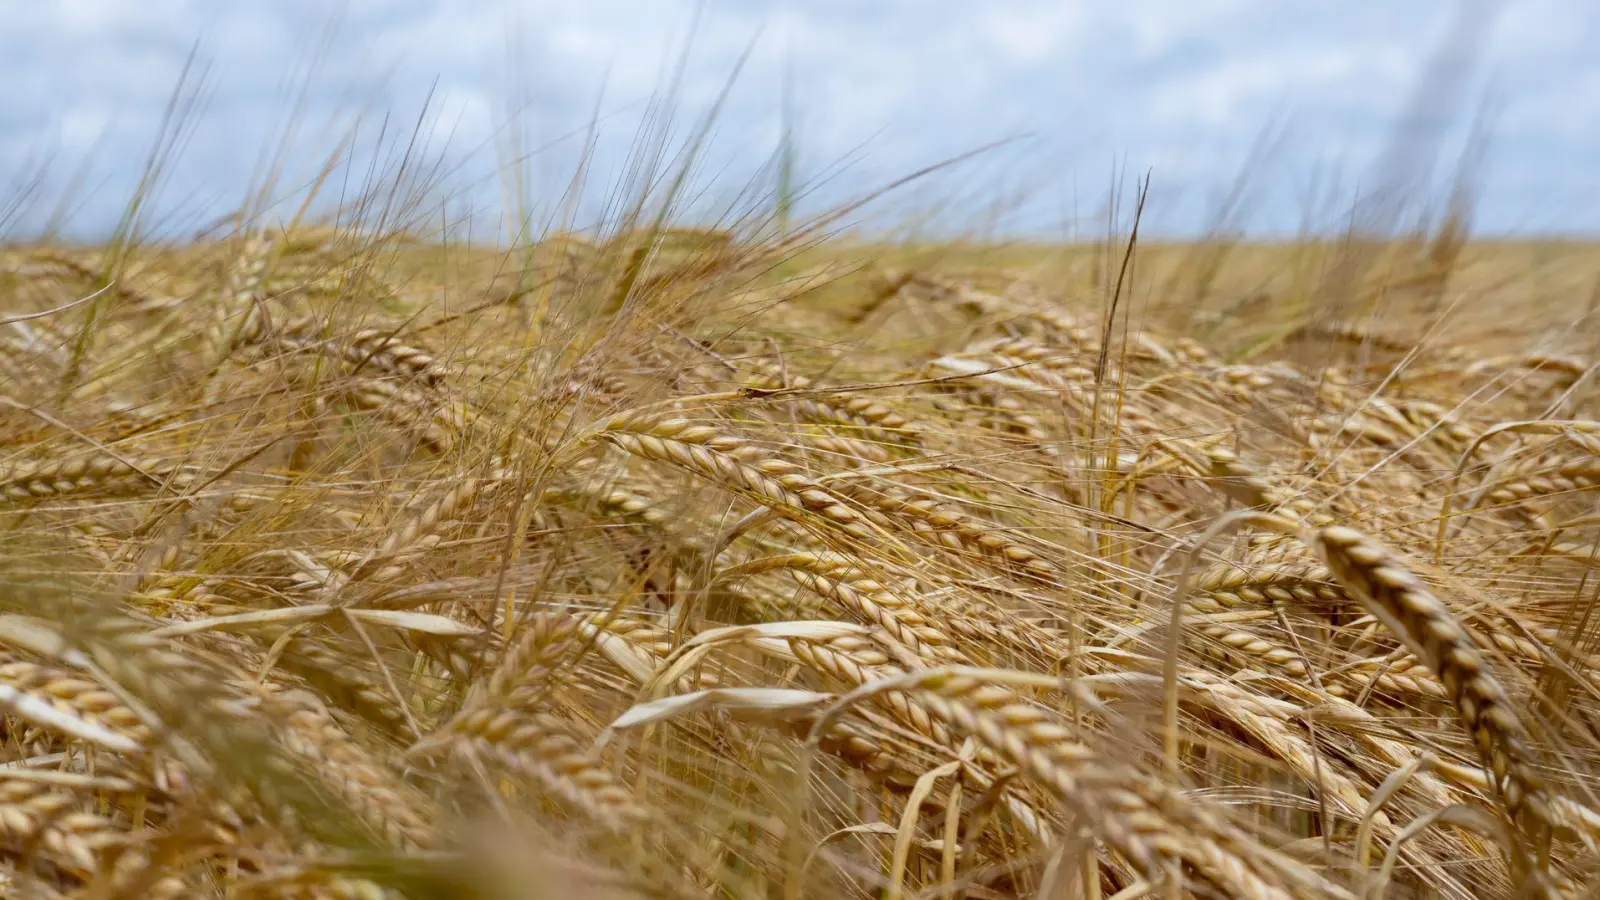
(343, 562)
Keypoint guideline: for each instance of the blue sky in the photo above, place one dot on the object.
(1311, 94)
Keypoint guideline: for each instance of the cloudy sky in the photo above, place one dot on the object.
(1317, 99)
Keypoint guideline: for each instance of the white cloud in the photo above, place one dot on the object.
(462, 117)
(1030, 36)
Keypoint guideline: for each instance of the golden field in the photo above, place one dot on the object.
(681, 563)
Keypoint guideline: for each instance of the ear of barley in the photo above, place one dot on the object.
(707, 452)
(1147, 822)
(1425, 624)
